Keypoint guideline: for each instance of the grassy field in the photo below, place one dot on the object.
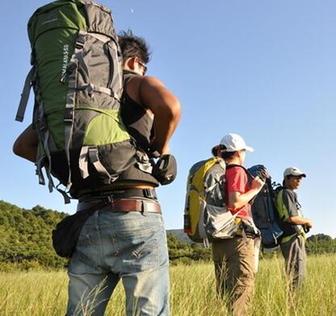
(192, 291)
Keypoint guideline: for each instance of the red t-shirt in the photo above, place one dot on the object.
(237, 181)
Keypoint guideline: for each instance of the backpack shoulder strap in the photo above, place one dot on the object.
(240, 166)
(280, 206)
(249, 175)
(235, 165)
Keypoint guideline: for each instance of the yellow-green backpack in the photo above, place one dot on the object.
(205, 184)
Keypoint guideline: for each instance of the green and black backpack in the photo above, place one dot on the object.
(77, 80)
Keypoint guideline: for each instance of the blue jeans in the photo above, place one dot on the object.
(117, 245)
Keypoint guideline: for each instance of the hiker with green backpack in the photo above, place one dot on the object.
(294, 226)
(93, 130)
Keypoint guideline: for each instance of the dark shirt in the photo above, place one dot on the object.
(138, 121)
(287, 206)
(139, 124)
(291, 202)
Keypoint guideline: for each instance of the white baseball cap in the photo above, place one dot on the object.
(293, 171)
(234, 142)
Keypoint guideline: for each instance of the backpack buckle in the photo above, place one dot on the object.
(149, 193)
(68, 115)
(79, 43)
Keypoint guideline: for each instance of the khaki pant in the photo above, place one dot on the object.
(235, 268)
(294, 252)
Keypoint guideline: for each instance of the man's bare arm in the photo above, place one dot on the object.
(236, 200)
(298, 220)
(165, 107)
(25, 145)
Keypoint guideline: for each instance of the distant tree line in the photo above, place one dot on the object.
(181, 252)
(25, 237)
(25, 241)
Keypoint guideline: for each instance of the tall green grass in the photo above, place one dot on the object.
(192, 291)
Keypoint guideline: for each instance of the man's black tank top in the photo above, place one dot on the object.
(139, 124)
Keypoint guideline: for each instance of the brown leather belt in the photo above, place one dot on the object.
(126, 193)
(124, 205)
(134, 205)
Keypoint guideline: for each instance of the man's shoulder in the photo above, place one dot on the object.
(140, 86)
(132, 77)
(150, 82)
(288, 192)
(289, 197)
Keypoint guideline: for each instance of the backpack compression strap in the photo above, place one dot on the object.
(91, 154)
(25, 94)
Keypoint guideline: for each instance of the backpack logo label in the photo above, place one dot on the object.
(65, 58)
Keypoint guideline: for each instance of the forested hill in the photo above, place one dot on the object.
(25, 237)
(25, 240)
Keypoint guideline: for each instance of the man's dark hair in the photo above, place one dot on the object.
(133, 46)
(287, 178)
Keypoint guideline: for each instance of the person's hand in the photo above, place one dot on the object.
(257, 184)
(307, 226)
(309, 223)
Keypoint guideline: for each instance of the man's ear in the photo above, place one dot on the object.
(129, 64)
(238, 154)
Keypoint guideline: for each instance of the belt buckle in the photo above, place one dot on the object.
(150, 207)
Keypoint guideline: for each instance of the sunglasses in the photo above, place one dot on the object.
(142, 65)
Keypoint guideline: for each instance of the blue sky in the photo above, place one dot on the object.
(263, 69)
